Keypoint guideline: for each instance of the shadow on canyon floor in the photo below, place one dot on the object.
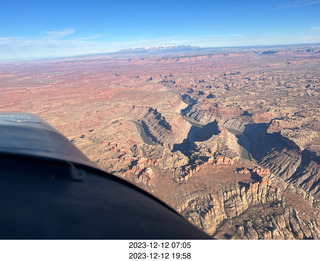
(197, 134)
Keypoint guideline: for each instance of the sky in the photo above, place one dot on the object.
(31, 29)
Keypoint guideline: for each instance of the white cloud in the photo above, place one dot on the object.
(315, 28)
(300, 3)
(57, 34)
(8, 40)
(90, 37)
(310, 39)
(236, 35)
(314, 2)
(48, 44)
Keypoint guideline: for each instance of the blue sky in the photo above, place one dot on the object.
(38, 29)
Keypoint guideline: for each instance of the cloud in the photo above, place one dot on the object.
(57, 34)
(236, 35)
(300, 3)
(315, 28)
(308, 39)
(8, 40)
(90, 37)
(48, 45)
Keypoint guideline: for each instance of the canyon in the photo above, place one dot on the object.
(229, 138)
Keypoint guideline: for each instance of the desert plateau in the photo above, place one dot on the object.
(228, 137)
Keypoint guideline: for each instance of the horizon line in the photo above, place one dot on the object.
(259, 46)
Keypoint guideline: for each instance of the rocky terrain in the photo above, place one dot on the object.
(229, 138)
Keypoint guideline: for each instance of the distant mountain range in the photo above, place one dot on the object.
(160, 49)
(182, 50)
